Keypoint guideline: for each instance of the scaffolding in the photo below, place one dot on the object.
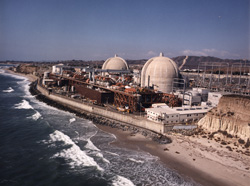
(122, 100)
(221, 76)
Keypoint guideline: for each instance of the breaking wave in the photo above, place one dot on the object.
(134, 160)
(100, 155)
(121, 181)
(112, 153)
(25, 87)
(14, 75)
(36, 116)
(72, 120)
(91, 146)
(10, 89)
(74, 154)
(23, 105)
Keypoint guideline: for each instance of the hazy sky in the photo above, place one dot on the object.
(133, 29)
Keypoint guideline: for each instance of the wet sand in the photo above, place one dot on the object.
(193, 166)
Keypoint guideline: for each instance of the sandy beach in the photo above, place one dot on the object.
(205, 161)
(196, 158)
(30, 77)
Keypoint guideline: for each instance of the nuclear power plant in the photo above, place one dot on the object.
(115, 84)
(158, 90)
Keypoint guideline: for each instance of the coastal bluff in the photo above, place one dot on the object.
(231, 115)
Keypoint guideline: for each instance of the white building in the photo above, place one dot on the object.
(190, 97)
(167, 115)
(57, 69)
(137, 76)
(214, 98)
(203, 92)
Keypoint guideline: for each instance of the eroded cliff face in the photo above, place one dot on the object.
(232, 115)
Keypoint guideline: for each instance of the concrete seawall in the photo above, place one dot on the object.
(131, 120)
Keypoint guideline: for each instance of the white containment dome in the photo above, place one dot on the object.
(115, 63)
(160, 73)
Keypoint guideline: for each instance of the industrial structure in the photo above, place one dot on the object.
(221, 77)
(183, 97)
(116, 85)
(176, 115)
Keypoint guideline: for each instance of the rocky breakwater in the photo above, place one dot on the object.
(231, 115)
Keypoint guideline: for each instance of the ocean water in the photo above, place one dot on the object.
(41, 145)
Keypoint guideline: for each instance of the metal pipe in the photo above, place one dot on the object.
(231, 73)
(227, 72)
(204, 74)
(210, 82)
(184, 89)
(248, 78)
(240, 74)
(198, 77)
(219, 75)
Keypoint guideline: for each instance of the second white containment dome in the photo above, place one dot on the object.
(115, 63)
(159, 72)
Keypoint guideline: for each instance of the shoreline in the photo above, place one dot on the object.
(187, 172)
(183, 155)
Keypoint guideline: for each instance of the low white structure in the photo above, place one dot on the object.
(159, 105)
(190, 97)
(57, 69)
(47, 81)
(214, 98)
(203, 92)
(167, 115)
(137, 76)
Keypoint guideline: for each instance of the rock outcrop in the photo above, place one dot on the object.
(232, 115)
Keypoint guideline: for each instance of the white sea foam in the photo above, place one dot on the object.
(47, 107)
(72, 120)
(91, 146)
(10, 89)
(113, 136)
(94, 150)
(23, 105)
(114, 154)
(134, 160)
(36, 116)
(121, 181)
(100, 155)
(74, 153)
(25, 87)
(14, 76)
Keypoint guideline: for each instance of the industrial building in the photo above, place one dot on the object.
(168, 115)
(115, 84)
(159, 82)
(194, 96)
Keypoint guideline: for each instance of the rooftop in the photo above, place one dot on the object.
(181, 110)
